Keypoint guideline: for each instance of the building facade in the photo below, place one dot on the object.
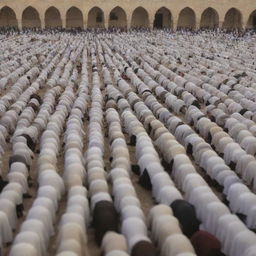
(173, 14)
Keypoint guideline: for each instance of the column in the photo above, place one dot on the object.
(129, 21)
(85, 18)
(151, 21)
(63, 23)
(85, 24)
(175, 22)
(19, 24)
(174, 26)
(106, 23)
(221, 24)
(197, 25)
(42, 22)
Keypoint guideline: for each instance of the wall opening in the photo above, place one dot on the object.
(251, 24)
(95, 18)
(187, 19)
(74, 18)
(233, 19)
(30, 18)
(158, 22)
(140, 18)
(8, 17)
(163, 18)
(52, 18)
(117, 18)
(209, 19)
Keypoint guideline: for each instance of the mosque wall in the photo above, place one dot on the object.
(136, 13)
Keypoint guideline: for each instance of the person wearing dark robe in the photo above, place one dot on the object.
(186, 215)
(205, 244)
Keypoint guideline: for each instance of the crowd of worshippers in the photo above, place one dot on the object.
(85, 116)
(77, 30)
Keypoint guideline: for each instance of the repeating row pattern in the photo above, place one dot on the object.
(125, 144)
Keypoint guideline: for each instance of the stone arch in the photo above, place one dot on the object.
(209, 18)
(140, 18)
(30, 18)
(8, 17)
(163, 18)
(74, 18)
(233, 19)
(251, 23)
(52, 18)
(117, 18)
(187, 19)
(96, 18)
